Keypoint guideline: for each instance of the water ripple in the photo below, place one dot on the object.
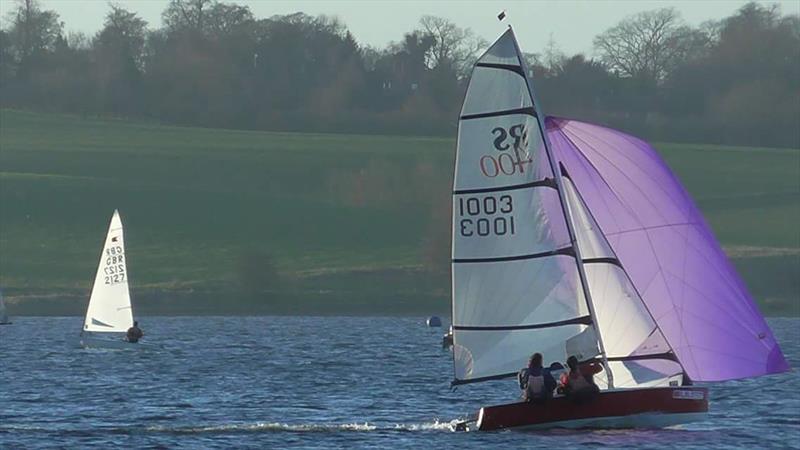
(308, 382)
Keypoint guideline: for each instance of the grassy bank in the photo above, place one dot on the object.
(234, 221)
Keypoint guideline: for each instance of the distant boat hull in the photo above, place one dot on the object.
(623, 408)
(6, 323)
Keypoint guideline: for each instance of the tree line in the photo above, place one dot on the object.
(733, 81)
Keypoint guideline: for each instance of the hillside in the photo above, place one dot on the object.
(236, 221)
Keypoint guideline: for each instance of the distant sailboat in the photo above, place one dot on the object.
(3, 315)
(109, 314)
(575, 239)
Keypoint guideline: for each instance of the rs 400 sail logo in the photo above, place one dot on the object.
(511, 155)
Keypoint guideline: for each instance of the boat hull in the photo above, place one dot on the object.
(623, 408)
(112, 342)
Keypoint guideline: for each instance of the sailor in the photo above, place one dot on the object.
(447, 339)
(134, 333)
(536, 382)
(579, 384)
(557, 370)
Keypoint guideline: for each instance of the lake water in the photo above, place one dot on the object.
(309, 382)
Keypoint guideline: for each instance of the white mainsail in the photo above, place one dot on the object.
(110, 303)
(516, 285)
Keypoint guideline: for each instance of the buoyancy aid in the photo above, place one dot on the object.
(536, 385)
(522, 379)
(533, 386)
(578, 382)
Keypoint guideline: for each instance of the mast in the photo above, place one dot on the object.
(565, 209)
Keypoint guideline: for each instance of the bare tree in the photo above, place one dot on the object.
(454, 46)
(186, 14)
(33, 29)
(553, 56)
(224, 18)
(647, 45)
(123, 34)
(78, 40)
(118, 52)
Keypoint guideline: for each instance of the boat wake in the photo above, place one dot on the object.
(308, 428)
(257, 427)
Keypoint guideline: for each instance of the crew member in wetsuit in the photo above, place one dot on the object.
(536, 382)
(134, 333)
(579, 384)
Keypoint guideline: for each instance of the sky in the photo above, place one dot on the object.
(572, 24)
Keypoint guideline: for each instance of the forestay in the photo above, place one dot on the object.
(516, 287)
(110, 303)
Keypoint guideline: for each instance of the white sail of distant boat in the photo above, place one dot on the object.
(3, 314)
(109, 308)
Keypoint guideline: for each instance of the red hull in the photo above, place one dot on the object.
(659, 406)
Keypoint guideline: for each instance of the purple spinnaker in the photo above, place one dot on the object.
(660, 237)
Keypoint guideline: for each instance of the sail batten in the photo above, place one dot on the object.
(566, 251)
(516, 68)
(585, 320)
(508, 112)
(547, 182)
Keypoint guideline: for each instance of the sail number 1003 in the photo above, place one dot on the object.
(499, 223)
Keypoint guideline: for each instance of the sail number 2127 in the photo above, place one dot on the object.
(485, 216)
(114, 270)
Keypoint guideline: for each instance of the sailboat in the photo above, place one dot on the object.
(109, 314)
(572, 239)
(3, 315)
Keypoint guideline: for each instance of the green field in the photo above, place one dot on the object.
(237, 221)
